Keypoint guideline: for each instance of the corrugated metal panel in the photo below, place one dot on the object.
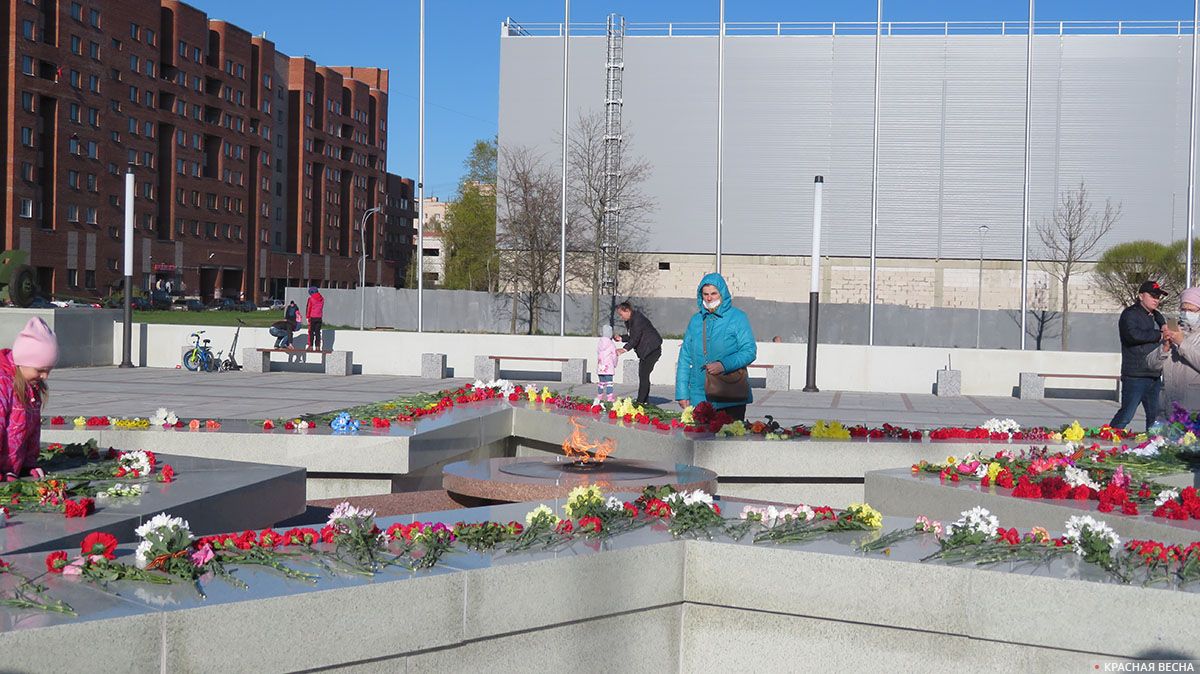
(1109, 110)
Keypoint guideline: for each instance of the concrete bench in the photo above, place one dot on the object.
(433, 366)
(1032, 385)
(340, 363)
(779, 377)
(574, 370)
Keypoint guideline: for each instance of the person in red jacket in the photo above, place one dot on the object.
(313, 312)
(23, 372)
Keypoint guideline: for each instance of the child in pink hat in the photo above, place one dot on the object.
(23, 372)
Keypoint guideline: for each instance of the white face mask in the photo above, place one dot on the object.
(1189, 320)
(712, 305)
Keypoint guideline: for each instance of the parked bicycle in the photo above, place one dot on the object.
(200, 357)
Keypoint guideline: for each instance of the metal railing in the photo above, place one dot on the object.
(511, 28)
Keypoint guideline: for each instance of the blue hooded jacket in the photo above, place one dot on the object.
(730, 341)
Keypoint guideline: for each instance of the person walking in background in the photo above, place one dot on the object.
(717, 347)
(313, 312)
(1142, 329)
(23, 372)
(1179, 357)
(606, 365)
(644, 340)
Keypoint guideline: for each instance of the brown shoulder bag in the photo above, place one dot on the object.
(727, 387)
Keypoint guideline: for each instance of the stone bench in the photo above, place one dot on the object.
(1032, 385)
(574, 370)
(340, 363)
(433, 366)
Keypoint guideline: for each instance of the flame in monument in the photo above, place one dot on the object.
(579, 449)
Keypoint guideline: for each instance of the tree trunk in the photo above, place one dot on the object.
(1066, 296)
(596, 301)
(512, 329)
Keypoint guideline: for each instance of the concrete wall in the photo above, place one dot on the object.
(842, 367)
(85, 335)
(468, 311)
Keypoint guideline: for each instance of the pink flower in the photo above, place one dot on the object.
(1121, 478)
(203, 555)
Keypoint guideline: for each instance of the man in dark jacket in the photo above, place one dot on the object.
(644, 340)
(1141, 328)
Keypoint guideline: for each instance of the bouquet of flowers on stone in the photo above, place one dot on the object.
(803, 523)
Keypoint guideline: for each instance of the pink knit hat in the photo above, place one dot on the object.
(1191, 296)
(36, 346)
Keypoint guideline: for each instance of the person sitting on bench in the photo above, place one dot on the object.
(282, 332)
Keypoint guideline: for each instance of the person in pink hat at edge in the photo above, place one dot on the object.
(23, 372)
(1179, 356)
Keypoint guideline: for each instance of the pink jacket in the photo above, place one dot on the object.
(606, 356)
(315, 307)
(20, 423)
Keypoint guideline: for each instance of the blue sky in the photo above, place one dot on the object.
(462, 43)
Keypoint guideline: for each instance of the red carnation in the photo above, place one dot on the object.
(327, 534)
(564, 527)
(590, 525)
(99, 543)
(57, 421)
(268, 425)
(167, 474)
(269, 538)
(81, 508)
(56, 561)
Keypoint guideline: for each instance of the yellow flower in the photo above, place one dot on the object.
(1073, 433)
(580, 497)
(546, 392)
(950, 460)
(541, 513)
(993, 470)
(686, 417)
(1188, 439)
(1057, 437)
(80, 421)
(829, 429)
(866, 514)
(736, 428)
(532, 394)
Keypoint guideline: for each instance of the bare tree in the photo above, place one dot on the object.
(586, 190)
(1070, 236)
(528, 230)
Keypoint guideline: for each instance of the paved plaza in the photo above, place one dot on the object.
(240, 395)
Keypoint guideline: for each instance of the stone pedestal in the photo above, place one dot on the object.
(433, 366)
(629, 371)
(486, 369)
(949, 383)
(779, 377)
(574, 371)
(340, 363)
(254, 360)
(1032, 386)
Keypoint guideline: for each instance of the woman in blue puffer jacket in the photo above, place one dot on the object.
(730, 345)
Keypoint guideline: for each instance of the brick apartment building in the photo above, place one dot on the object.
(253, 169)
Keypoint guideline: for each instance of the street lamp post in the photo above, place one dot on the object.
(362, 272)
(983, 230)
(127, 329)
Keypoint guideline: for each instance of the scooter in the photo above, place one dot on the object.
(230, 364)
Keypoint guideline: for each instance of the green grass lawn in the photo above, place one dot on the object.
(256, 319)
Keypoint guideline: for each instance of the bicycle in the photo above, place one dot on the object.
(200, 357)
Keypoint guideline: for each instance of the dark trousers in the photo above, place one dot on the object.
(645, 367)
(738, 412)
(314, 334)
(1144, 391)
(283, 338)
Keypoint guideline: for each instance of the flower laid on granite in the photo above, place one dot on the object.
(164, 418)
(829, 430)
(212, 424)
(1091, 539)
(268, 425)
(1076, 476)
(1001, 426)
(79, 421)
(736, 429)
(135, 464)
(164, 543)
(167, 474)
(583, 500)
(194, 425)
(57, 421)
(121, 491)
(99, 543)
(135, 423)
(770, 515)
(343, 423)
(358, 541)
(975, 524)
(78, 508)
(1073, 433)
(540, 515)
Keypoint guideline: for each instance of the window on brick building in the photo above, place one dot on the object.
(94, 84)
(89, 279)
(77, 11)
(134, 31)
(72, 278)
(151, 37)
(94, 18)
(27, 102)
(27, 65)
(25, 209)
(26, 171)
(148, 129)
(94, 50)
(91, 182)
(148, 99)
(27, 30)
(72, 213)
(73, 179)
(92, 149)
(90, 215)
(134, 63)
(27, 136)
(94, 117)
(76, 45)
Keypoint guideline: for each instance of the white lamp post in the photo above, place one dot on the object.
(983, 230)
(127, 331)
(814, 288)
